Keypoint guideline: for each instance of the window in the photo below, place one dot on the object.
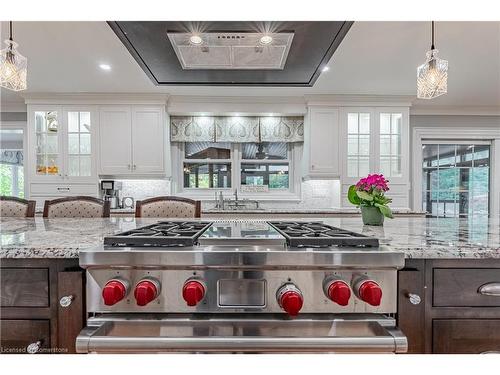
(11, 162)
(390, 144)
(265, 164)
(208, 165)
(358, 144)
(455, 179)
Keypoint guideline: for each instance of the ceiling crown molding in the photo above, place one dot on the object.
(455, 110)
(360, 100)
(95, 98)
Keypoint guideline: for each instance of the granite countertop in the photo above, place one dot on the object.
(417, 237)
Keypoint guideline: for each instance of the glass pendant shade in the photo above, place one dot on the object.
(432, 77)
(13, 68)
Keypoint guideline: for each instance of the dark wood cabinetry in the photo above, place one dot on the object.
(453, 315)
(31, 312)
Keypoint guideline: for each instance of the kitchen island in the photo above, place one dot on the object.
(439, 306)
(417, 237)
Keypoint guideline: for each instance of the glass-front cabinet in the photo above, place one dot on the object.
(62, 142)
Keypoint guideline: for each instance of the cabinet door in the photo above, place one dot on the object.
(148, 139)
(465, 336)
(79, 143)
(115, 140)
(46, 143)
(323, 142)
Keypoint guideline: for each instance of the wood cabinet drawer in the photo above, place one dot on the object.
(16, 335)
(24, 287)
(464, 336)
(454, 287)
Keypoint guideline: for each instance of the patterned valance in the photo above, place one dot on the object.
(237, 129)
(12, 157)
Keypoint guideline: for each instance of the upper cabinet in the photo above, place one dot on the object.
(376, 140)
(321, 137)
(62, 143)
(132, 140)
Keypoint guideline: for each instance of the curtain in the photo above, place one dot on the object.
(11, 157)
(237, 129)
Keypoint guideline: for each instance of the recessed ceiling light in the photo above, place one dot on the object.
(105, 66)
(326, 69)
(266, 39)
(195, 39)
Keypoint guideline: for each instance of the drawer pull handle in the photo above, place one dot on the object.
(65, 189)
(65, 301)
(490, 289)
(414, 298)
(34, 347)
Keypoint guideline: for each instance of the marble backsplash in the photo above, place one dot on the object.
(321, 194)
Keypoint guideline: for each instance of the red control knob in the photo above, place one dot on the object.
(339, 292)
(113, 292)
(146, 291)
(290, 299)
(370, 292)
(193, 292)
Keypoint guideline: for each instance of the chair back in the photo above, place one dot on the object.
(16, 207)
(168, 207)
(78, 207)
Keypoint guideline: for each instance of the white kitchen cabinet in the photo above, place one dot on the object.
(148, 128)
(375, 140)
(322, 143)
(131, 140)
(62, 156)
(115, 140)
(62, 143)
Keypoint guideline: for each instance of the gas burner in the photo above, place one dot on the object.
(163, 233)
(317, 234)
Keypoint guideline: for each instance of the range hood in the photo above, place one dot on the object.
(231, 51)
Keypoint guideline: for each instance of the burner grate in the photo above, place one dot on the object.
(317, 234)
(163, 233)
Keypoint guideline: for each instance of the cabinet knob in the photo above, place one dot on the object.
(414, 298)
(312, 166)
(134, 167)
(65, 301)
(34, 347)
(128, 166)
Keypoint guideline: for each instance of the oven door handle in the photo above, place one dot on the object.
(91, 340)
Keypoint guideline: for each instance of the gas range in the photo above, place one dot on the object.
(233, 286)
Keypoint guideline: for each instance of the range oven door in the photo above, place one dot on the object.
(230, 334)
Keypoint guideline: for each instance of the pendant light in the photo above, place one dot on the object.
(432, 76)
(13, 66)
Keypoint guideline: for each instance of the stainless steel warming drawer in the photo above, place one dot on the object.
(115, 334)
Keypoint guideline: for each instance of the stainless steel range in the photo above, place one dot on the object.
(241, 286)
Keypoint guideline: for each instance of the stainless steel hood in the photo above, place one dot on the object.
(229, 51)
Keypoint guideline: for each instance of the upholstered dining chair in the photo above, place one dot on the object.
(173, 207)
(16, 207)
(79, 207)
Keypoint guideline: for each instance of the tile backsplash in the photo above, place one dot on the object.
(319, 194)
(140, 189)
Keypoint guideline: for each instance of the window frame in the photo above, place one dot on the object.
(291, 194)
(470, 134)
(436, 141)
(23, 126)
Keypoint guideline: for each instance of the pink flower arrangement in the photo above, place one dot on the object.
(370, 192)
(373, 182)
